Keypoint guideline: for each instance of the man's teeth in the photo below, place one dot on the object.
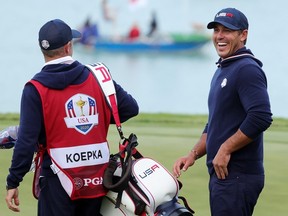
(222, 44)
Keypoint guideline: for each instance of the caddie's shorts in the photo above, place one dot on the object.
(236, 195)
(54, 201)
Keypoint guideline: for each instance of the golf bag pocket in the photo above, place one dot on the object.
(153, 183)
(108, 206)
(130, 202)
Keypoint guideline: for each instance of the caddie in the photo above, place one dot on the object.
(65, 118)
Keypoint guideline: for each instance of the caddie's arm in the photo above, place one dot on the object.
(12, 199)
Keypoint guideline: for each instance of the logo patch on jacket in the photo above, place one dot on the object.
(81, 112)
(224, 83)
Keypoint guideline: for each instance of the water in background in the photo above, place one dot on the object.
(161, 83)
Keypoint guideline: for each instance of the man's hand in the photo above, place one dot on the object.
(12, 199)
(223, 156)
(183, 163)
(220, 163)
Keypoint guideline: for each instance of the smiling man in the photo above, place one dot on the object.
(239, 113)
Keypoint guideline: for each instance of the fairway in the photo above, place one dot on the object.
(165, 137)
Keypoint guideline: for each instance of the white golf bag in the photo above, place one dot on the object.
(141, 186)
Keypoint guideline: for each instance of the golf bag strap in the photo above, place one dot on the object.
(38, 162)
(186, 204)
(104, 78)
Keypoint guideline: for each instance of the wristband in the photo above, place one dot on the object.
(196, 153)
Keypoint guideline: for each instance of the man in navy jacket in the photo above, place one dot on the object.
(239, 113)
(60, 72)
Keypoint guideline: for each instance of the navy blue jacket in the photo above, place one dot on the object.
(238, 99)
(32, 130)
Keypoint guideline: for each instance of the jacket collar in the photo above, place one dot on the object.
(239, 54)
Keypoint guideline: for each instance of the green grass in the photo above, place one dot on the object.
(165, 137)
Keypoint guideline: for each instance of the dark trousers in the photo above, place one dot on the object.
(54, 201)
(236, 195)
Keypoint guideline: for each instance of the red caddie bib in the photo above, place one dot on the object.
(76, 122)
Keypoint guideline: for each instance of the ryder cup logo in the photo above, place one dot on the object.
(81, 112)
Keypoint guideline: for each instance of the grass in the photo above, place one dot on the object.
(165, 137)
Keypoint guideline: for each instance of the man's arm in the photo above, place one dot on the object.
(183, 163)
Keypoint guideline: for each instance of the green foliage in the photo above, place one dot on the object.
(165, 137)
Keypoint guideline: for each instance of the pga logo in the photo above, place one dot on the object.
(86, 182)
(93, 181)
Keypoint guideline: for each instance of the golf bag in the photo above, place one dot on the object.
(8, 137)
(140, 186)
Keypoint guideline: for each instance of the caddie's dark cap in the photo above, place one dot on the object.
(230, 18)
(55, 34)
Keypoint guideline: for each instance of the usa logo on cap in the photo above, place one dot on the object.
(224, 14)
(45, 44)
(81, 113)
